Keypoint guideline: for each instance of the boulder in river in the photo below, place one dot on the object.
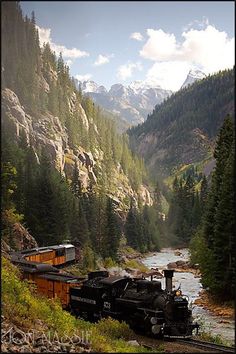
(172, 265)
(177, 253)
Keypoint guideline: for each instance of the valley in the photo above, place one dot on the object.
(129, 160)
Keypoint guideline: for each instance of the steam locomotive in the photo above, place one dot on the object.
(142, 303)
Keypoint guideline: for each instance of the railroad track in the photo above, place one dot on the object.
(207, 345)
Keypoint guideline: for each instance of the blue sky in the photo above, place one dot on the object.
(122, 41)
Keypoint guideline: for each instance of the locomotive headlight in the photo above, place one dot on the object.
(156, 329)
(178, 293)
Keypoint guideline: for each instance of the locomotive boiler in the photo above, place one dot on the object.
(142, 303)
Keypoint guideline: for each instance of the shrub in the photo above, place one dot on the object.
(109, 263)
(114, 329)
(132, 263)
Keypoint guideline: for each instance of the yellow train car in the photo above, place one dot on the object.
(56, 285)
(54, 255)
(39, 265)
(42, 256)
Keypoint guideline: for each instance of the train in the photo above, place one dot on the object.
(142, 303)
(42, 267)
(54, 255)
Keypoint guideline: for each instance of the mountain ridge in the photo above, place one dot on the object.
(182, 130)
(132, 103)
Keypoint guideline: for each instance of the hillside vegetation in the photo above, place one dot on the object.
(67, 174)
(182, 130)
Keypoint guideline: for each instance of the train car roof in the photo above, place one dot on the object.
(43, 249)
(62, 246)
(40, 251)
(113, 279)
(35, 249)
(62, 277)
(36, 267)
(67, 245)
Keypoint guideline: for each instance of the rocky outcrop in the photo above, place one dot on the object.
(5, 249)
(45, 131)
(145, 195)
(22, 238)
(184, 266)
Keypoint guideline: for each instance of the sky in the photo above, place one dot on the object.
(156, 42)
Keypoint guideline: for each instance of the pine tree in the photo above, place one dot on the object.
(203, 192)
(132, 230)
(216, 235)
(76, 184)
(112, 232)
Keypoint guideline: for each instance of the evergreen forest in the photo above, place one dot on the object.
(55, 206)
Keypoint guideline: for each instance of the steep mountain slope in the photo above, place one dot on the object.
(132, 103)
(66, 171)
(41, 104)
(182, 129)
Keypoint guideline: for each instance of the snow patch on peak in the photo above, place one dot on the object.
(91, 86)
(132, 102)
(198, 74)
(193, 75)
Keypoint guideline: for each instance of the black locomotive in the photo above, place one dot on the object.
(143, 304)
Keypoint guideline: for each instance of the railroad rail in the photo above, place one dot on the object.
(207, 345)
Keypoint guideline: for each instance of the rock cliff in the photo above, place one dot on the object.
(46, 131)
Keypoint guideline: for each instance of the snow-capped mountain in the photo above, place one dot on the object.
(91, 86)
(132, 103)
(193, 75)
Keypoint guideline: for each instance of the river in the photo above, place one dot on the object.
(191, 287)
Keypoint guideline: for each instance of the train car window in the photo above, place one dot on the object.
(60, 252)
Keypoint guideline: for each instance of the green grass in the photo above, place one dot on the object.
(206, 335)
(132, 263)
(180, 171)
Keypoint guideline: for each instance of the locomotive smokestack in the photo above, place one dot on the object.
(168, 274)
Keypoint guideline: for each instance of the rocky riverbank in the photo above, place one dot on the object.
(222, 310)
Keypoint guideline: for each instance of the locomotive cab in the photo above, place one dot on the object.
(97, 296)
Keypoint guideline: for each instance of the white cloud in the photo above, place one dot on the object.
(102, 59)
(125, 71)
(169, 75)
(69, 62)
(208, 48)
(137, 36)
(159, 46)
(83, 77)
(45, 36)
